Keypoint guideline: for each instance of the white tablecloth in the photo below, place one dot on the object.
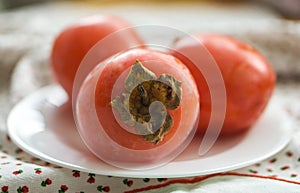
(25, 40)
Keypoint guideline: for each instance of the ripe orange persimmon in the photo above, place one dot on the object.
(248, 77)
(102, 128)
(74, 42)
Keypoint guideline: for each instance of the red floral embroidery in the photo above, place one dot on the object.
(63, 188)
(128, 182)
(17, 172)
(46, 182)
(23, 189)
(103, 188)
(38, 170)
(253, 171)
(91, 178)
(285, 168)
(293, 175)
(76, 173)
(4, 189)
(289, 154)
(273, 160)
(18, 151)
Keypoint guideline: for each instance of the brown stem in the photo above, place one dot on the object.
(144, 95)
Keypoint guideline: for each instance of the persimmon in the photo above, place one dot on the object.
(248, 78)
(74, 42)
(118, 103)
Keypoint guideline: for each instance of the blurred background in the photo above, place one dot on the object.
(289, 9)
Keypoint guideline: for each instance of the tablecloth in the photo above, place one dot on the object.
(26, 37)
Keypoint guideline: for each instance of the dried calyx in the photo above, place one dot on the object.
(146, 100)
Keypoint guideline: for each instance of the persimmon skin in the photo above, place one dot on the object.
(114, 144)
(248, 77)
(110, 75)
(74, 42)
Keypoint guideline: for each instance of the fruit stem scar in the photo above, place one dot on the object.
(146, 100)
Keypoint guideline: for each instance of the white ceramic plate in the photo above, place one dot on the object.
(60, 143)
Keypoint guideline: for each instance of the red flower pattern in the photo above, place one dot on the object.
(4, 188)
(64, 188)
(46, 182)
(91, 180)
(76, 173)
(25, 189)
(17, 172)
(128, 182)
(38, 170)
(103, 188)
